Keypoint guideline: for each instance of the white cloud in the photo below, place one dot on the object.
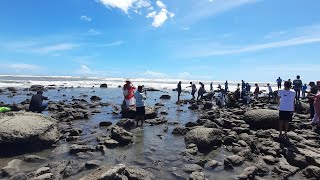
(153, 74)
(55, 48)
(93, 32)
(116, 43)
(125, 5)
(19, 67)
(161, 17)
(86, 18)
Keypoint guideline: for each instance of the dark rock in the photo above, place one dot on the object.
(92, 164)
(235, 160)
(165, 96)
(207, 105)
(311, 172)
(248, 173)
(95, 98)
(204, 138)
(110, 143)
(122, 136)
(131, 113)
(105, 123)
(75, 148)
(157, 121)
(296, 159)
(262, 118)
(180, 130)
(194, 107)
(190, 124)
(285, 170)
(104, 86)
(126, 123)
(136, 173)
(37, 88)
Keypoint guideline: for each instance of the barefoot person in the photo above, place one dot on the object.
(286, 107)
(256, 92)
(193, 90)
(140, 106)
(128, 93)
(36, 104)
(279, 82)
(297, 86)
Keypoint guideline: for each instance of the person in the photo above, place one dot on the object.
(226, 88)
(36, 103)
(128, 93)
(270, 91)
(211, 86)
(219, 87)
(220, 101)
(316, 104)
(297, 85)
(243, 85)
(237, 94)
(140, 105)
(245, 97)
(285, 101)
(193, 90)
(248, 87)
(256, 92)
(304, 89)
(313, 91)
(238, 86)
(179, 89)
(279, 81)
(201, 91)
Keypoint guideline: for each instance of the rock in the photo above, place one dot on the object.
(133, 172)
(197, 176)
(122, 136)
(110, 143)
(248, 173)
(204, 138)
(34, 159)
(131, 113)
(37, 88)
(92, 164)
(270, 159)
(95, 98)
(191, 168)
(157, 121)
(311, 172)
(296, 160)
(194, 107)
(207, 105)
(262, 118)
(47, 176)
(235, 160)
(23, 132)
(42, 170)
(111, 173)
(11, 168)
(126, 123)
(213, 164)
(302, 108)
(73, 168)
(105, 123)
(12, 89)
(104, 86)
(165, 96)
(285, 170)
(75, 148)
(180, 130)
(190, 124)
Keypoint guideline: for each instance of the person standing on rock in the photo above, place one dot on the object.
(201, 91)
(193, 90)
(243, 84)
(36, 104)
(304, 89)
(140, 105)
(285, 101)
(128, 93)
(211, 86)
(279, 82)
(256, 92)
(179, 89)
(270, 94)
(226, 86)
(316, 104)
(297, 85)
(313, 91)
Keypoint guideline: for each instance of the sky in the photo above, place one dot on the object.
(254, 40)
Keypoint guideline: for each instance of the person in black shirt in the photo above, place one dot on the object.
(36, 102)
(179, 89)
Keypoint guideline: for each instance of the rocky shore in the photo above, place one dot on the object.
(221, 143)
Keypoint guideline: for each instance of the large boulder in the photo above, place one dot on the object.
(24, 131)
(204, 138)
(131, 113)
(262, 118)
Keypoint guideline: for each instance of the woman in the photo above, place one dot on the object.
(128, 93)
(316, 104)
(201, 91)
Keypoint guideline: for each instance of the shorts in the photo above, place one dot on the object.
(140, 111)
(286, 115)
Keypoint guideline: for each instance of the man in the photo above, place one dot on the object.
(36, 104)
(297, 85)
(211, 86)
(279, 81)
(179, 89)
(140, 106)
(285, 101)
(243, 84)
(226, 88)
(270, 91)
(193, 90)
(313, 91)
(256, 92)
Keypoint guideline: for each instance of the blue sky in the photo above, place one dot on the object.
(255, 40)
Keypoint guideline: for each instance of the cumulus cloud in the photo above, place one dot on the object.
(125, 5)
(160, 17)
(85, 18)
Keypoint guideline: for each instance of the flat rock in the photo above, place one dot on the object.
(122, 136)
(191, 168)
(262, 118)
(11, 168)
(197, 176)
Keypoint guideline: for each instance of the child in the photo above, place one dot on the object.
(304, 89)
(140, 106)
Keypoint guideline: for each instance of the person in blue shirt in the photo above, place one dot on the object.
(304, 89)
(140, 105)
(279, 82)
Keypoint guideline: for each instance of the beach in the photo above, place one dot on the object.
(164, 147)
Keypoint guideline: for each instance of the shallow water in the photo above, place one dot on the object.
(153, 149)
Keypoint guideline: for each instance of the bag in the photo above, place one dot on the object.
(4, 109)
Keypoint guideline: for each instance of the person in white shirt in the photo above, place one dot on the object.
(140, 105)
(270, 90)
(286, 107)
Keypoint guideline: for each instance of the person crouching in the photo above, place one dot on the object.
(140, 106)
(36, 104)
